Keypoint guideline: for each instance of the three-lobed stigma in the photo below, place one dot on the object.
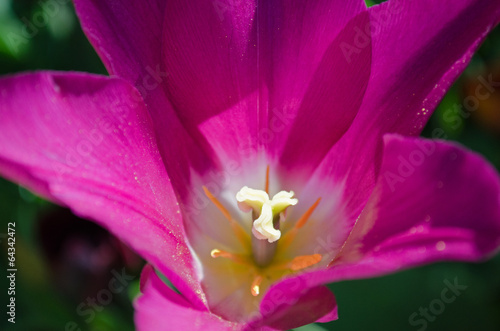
(266, 212)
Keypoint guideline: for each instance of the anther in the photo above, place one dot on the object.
(255, 289)
(304, 261)
(300, 262)
(216, 253)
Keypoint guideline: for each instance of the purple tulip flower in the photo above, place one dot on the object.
(253, 151)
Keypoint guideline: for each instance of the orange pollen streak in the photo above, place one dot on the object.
(303, 220)
(256, 285)
(304, 261)
(299, 262)
(267, 180)
(215, 253)
(290, 235)
(240, 233)
(217, 203)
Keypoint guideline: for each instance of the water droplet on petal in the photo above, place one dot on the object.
(440, 246)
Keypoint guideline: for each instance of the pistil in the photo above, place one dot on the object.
(266, 215)
(264, 251)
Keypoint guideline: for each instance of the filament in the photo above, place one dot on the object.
(290, 235)
(217, 203)
(216, 253)
(267, 180)
(303, 220)
(242, 236)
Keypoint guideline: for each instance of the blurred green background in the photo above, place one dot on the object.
(60, 266)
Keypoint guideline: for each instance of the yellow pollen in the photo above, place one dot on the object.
(218, 253)
(256, 285)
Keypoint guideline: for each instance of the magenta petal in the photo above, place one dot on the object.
(87, 142)
(288, 305)
(127, 36)
(237, 85)
(161, 308)
(316, 91)
(210, 53)
(434, 201)
(413, 64)
(408, 82)
(330, 102)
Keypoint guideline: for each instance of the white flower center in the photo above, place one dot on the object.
(258, 253)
